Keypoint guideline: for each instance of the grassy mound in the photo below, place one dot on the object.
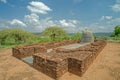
(16, 36)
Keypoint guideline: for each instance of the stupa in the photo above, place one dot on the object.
(87, 36)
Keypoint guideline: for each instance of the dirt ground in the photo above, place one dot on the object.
(105, 67)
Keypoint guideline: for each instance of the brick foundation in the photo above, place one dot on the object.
(59, 61)
(75, 61)
(29, 50)
(54, 68)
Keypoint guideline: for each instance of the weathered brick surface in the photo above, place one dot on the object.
(54, 68)
(80, 65)
(60, 60)
(29, 50)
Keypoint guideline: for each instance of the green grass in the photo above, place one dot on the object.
(114, 39)
(15, 37)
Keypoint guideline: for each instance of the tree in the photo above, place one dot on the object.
(55, 32)
(116, 31)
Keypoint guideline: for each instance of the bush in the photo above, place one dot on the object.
(16, 36)
(76, 36)
(95, 37)
(55, 33)
(116, 31)
(116, 37)
(104, 38)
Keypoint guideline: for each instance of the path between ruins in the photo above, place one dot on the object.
(105, 67)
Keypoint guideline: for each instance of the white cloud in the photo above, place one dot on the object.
(4, 1)
(64, 23)
(47, 22)
(69, 23)
(36, 24)
(96, 27)
(38, 7)
(32, 22)
(106, 18)
(104, 26)
(116, 6)
(74, 21)
(32, 18)
(115, 21)
(17, 22)
(71, 26)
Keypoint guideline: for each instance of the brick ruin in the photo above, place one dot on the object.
(60, 60)
(29, 50)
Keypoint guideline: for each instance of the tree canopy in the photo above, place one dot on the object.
(116, 31)
(55, 32)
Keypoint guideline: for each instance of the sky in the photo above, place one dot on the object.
(72, 15)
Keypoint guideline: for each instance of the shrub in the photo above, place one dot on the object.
(116, 31)
(104, 38)
(55, 33)
(16, 36)
(76, 36)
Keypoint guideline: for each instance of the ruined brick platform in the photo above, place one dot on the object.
(60, 60)
(29, 50)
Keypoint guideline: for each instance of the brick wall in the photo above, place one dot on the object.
(59, 61)
(29, 50)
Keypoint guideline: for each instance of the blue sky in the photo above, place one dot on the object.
(72, 15)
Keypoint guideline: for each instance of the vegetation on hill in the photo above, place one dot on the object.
(16, 36)
(55, 33)
(76, 36)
